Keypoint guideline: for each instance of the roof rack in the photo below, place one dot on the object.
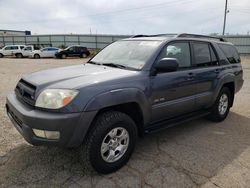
(200, 36)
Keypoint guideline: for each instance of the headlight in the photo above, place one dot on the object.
(55, 98)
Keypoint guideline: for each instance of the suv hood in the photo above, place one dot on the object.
(76, 76)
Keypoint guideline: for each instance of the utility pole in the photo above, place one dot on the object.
(225, 18)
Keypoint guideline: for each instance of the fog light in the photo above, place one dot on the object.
(47, 134)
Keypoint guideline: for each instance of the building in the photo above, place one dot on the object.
(13, 33)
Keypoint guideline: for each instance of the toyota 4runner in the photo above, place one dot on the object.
(133, 86)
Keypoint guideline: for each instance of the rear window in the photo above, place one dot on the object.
(230, 52)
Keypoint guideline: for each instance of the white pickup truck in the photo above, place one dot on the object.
(25, 52)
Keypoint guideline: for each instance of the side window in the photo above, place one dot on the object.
(230, 52)
(21, 47)
(28, 49)
(201, 54)
(7, 48)
(178, 50)
(71, 49)
(213, 56)
(14, 47)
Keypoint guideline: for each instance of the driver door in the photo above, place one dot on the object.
(173, 93)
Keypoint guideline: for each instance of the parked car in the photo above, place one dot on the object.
(25, 52)
(129, 88)
(45, 52)
(10, 50)
(73, 51)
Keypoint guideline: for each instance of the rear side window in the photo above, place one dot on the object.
(14, 47)
(230, 52)
(204, 54)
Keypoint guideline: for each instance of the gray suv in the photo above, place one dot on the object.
(133, 86)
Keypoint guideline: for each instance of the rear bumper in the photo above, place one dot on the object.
(72, 126)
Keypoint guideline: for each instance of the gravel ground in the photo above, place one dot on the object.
(195, 154)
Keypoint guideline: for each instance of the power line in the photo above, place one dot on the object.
(166, 4)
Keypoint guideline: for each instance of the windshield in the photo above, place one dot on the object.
(131, 54)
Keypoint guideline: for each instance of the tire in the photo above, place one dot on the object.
(219, 111)
(106, 124)
(19, 55)
(83, 55)
(64, 56)
(1, 55)
(37, 56)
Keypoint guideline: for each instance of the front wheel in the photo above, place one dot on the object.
(64, 56)
(221, 106)
(1, 55)
(110, 143)
(37, 56)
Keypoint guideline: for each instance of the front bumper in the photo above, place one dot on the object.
(72, 126)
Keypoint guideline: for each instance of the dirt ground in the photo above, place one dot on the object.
(195, 154)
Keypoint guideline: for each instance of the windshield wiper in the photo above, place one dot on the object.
(114, 65)
(95, 63)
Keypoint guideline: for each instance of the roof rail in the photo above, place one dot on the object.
(158, 35)
(200, 36)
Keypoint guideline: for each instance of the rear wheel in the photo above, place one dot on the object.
(110, 143)
(221, 106)
(19, 55)
(37, 56)
(1, 55)
(83, 55)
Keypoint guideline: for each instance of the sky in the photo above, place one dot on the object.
(124, 16)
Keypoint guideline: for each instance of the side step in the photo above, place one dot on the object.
(174, 121)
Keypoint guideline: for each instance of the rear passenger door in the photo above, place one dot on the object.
(206, 72)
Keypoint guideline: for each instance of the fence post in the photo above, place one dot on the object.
(96, 42)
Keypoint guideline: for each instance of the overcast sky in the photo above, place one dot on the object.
(124, 16)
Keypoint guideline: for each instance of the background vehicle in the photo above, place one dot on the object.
(131, 87)
(73, 51)
(45, 52)
(25, 52)
(10, 50)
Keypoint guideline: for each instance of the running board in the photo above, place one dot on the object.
(175, 121)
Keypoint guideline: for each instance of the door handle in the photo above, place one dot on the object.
(217, 71)
(190, 76)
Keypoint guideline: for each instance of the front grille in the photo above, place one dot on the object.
(26, 92)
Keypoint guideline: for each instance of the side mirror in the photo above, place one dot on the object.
(167, 65)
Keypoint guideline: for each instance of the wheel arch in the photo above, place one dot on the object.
(130, 101)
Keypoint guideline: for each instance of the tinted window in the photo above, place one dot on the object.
(230, 52)
(21, 47)
(178, 50)
(14, 47)
(53, 49)
(204, 54)
(201, 53)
